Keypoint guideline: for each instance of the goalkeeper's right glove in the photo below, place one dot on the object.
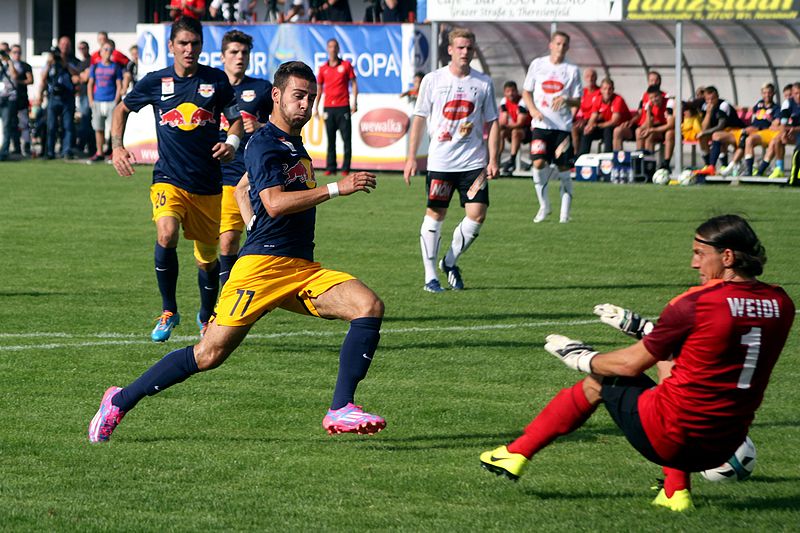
(573, 353)
(624, 320)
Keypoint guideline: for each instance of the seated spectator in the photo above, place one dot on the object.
(232, 11)
(656, 125)
(295, 11)
(515, 124)
(187, 8)
(764, 126)
(721, 127)
(691, 123)
(394, 11)
(413, 92)
(591, 91)
(608, 112)
(789, 126)
(626, 131)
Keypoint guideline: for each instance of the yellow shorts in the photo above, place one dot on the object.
(766, 136)
(198, 213)
(737, 134)
(231, 219)
(260, 283)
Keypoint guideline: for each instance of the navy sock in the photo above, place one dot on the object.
(716, 146)
(209, 290)
(705, 159)
(167, 276)
(173, 368)
(355, 357)
(748, 162)
(225, 265)
(762, 167)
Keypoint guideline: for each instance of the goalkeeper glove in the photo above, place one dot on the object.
(624, 320)
(573, 353)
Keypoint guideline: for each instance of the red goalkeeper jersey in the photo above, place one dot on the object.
(726, 338)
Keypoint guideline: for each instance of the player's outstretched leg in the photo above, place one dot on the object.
(502, 462)
(355, 357)
(566, 195)
(676, 493)
(540, 179)
(166, 260)
(430, 236)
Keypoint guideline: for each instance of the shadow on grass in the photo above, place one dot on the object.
(783, 503)
(485, 317)
(550, 288)
(35, 293)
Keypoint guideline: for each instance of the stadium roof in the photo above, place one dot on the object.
(736, 57)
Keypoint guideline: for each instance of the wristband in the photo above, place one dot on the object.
(234, 141)
(333, 189)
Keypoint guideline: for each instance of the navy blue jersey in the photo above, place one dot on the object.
(187, 112)
(724, 111)
(790, 112)
(254, 98)
(763, 114)
(273, 158)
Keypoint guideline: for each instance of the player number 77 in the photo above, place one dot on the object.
(242, 293)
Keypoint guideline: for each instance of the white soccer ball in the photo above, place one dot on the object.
(661, 176)
(687, 177)
(738, 467)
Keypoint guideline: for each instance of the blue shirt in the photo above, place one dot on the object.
(763, 114)
(105, 81)
(254, 98)
(187, 112)
(273, 158)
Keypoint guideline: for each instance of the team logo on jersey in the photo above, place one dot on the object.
(444, 136)
(206, 89)
(224, 125)
(465, 129)
(440, 190)
(186, 116)
(458, 109)
(302, 171)
(248, 95)
(340, 68)
(248, 116)
(552, 86)
(538, 147)
(167, 86)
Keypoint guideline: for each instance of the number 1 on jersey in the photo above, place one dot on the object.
(751, 339)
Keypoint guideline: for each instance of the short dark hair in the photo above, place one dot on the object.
(236, 36)
(186, 24)
(711, 90)
(511, 84)
(788, 87)
(734, 233)
(607, 81)
(559, 34)
(296, 69)
(654, 89)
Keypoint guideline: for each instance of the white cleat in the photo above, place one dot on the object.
(541, 215)
(564, 220)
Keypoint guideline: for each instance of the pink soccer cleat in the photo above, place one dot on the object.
(352, 419)
(107, 417)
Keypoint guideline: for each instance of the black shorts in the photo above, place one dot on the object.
(442, 185)
(554, 146)
(621, 396)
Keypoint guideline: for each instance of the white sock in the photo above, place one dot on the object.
(466, 232)
(566, 193)
(540, 178)
(430, 235)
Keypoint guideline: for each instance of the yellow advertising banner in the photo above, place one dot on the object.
(711, 9)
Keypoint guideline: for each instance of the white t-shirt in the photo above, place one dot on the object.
(546, 81)
(456, 109)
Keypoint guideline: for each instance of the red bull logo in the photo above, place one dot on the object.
(248, 116)
(301, 171)
(187, 117)
(224, 125)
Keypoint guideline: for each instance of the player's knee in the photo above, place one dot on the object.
(371, 306)
(206, 267)
(210, 355)
(167, 240)
(592, 390)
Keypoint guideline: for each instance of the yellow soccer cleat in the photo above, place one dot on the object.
(504, 463)
(681, 500)
(777, 173)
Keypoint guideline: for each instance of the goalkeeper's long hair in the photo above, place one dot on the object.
(734, 233)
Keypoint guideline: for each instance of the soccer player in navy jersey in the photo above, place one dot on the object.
(724, 337)
(276, 268)
(188, 100)
(254, 98)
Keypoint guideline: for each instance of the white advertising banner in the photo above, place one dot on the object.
(525, 10)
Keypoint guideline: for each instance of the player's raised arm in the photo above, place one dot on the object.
(279, 202)
(121, 158)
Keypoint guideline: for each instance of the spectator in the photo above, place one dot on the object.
(85, 139)
(337, 11)
(720, 118)
(118, 57)
(272, 10)
(296, 11)
(627, 130)
(764, 126)
(8, 99)
(334, 79)
(105, 91)
(24, 79)
(691, 123)
(131, 74)
(413, 92)
(657, 125)
(232, 10)
(609, 111)
(515, 124)
(187, 8)
(59, 79)
(394, 11)
(590, 91)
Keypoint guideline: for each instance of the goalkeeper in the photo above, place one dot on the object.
(724, 337)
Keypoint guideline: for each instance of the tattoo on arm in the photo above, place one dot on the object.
(116, 141)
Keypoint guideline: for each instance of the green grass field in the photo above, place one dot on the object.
(242, 448)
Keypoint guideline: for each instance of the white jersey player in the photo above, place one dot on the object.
(552, 86)
(456, 102)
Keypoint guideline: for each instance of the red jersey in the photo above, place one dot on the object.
(659, 113)
(116, 57)
(186, 11)
(726, 338)
(607, 109)
(334, 82)
(587, 102)
(514, 109)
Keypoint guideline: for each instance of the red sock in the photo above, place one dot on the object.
(675, 479)
(565, 413)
